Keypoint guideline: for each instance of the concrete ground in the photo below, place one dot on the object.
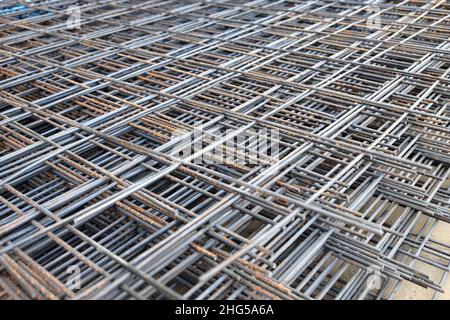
(410, 291)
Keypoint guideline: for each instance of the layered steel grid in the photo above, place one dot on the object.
(91, 178)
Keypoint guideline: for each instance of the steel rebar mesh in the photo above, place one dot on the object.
(91, 177)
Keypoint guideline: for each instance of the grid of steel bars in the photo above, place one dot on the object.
(90, 178)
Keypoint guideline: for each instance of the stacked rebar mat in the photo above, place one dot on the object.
(101, 102)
